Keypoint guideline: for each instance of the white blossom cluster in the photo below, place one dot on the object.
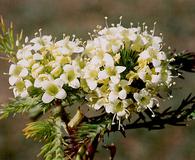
(111, 83)
(123, 69)
(47, 65)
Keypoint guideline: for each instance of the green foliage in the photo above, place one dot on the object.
(8, 40)
(128, 59)
(184, 61)
(90, 130)
(50, 132)
(21, 105)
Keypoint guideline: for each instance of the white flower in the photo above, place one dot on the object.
(25, 52)
(119, 107)
(156, 42)
(100, 103)
(20, 88)
(40, 42)
(16, 72)
(139, 43)
(119, 90)
(67, 47)
(90, 74)
(70, 76)
(143, 99)
(40, 80)
(53, 89)
(36, 69)
(112, 72)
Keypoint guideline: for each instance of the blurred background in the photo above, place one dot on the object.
(175, 19)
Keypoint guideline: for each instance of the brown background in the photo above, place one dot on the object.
(176, 20)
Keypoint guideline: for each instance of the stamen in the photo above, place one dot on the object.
(40, 34)
(120, 18)
(106, 21)
(26, 39)
(154, 27)
(90, 35)
(113, 119)
(64, 35)
(153, 115)
(73, 37)
(131, 24)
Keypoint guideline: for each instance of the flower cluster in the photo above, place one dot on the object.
(45, 65)
(125, 69)
(120, 69)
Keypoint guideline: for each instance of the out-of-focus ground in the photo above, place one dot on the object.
(176, 20)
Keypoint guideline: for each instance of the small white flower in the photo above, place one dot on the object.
(16, 72)
(144, 99)
(100, 103)
(90, 73)
(36, 69)
(118, 107)
(40, 42)
(119, 90)
(70, 76)
(40, 80)
(53, 89)
(25, 52)
(114, 73)
(20, 88)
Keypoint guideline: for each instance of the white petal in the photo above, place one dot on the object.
(12, 80)
(142, 74)
(112, 96)
(95, 61)
(115, 48)
(78, 49)
(64, 51)
(102, 75)
(45, 84)
(109, 62)
(68, 67)
(46, 98)
(63, 77)
(162, 56)
(27, 83)
(122, 94)
(91, 83)
(24, 72)
(61, 94)
(158, 69)
(121, 113)
(24, 94)
(37, 83)
(137, 97)
(144, 55)
(99, 104)
(155, 78)
(120, 69)
(37, 56)
(59, 82)
(23, 63)
(109, 108)
(115, 79)
(37, 47)
(75, 83)
(156, 62)
(12, 68)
